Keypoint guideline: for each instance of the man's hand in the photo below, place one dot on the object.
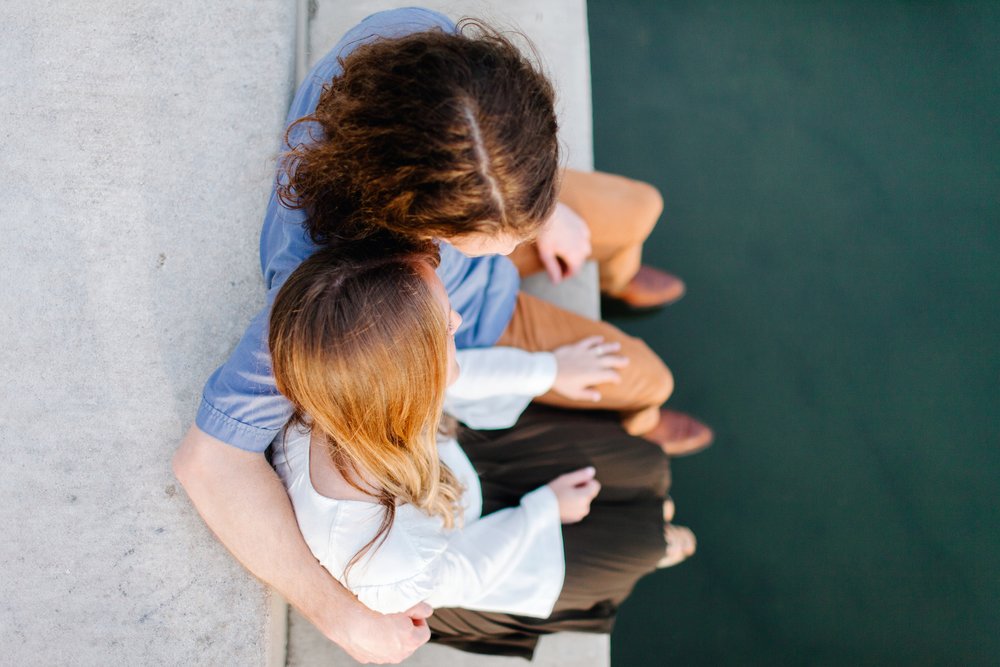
(564, 243)
(582, 365)
(242, 500)
(378, 639)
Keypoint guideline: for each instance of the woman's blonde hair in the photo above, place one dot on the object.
(358, 345)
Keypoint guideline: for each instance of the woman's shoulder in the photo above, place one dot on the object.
(413, 542)
(401, 570)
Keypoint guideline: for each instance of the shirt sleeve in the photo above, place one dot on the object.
(510, 561)
(496, 384)
(240, 403)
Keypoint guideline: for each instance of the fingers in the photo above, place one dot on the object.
(589, 490)
(585, 494)
(589, 342)
(575, 491)
(419, 610)
(614, 361)
(587, 392)
(578, 477)
(608, 375)
(608, 348)
(597, 345)
(552, 265)
(574, 262)
(421, 635)
(605, 351)
(585, 365)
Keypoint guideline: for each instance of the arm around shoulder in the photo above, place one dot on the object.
(244, 503)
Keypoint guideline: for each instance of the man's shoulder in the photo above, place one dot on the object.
(387, 24)
(411, 19)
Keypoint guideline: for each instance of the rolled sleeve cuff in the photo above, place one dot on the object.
(231, 431)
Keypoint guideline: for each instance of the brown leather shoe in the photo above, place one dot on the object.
(651, 288)
(679, 434)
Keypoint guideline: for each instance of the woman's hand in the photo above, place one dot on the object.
(574, 491)
(581, 365)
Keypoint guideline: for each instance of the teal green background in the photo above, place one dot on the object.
(831, 173)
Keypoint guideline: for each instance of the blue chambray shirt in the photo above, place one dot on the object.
(240, 404)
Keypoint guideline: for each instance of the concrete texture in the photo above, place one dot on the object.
(136, 142)
(308, 648)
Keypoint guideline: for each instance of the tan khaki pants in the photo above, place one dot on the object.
(620, 213)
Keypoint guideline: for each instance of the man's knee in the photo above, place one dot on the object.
(647, 203)
(657, 382)
(649, 199)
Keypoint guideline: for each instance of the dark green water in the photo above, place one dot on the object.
(832, 182)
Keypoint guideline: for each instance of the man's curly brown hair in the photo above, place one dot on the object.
(432, 135)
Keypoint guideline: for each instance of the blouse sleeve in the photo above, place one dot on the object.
(497, 383)
(510, 561)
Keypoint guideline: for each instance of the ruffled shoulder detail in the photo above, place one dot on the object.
(402, 571)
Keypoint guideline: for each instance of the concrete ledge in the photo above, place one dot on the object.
(579, 294)
(308, 648)
(137, 152)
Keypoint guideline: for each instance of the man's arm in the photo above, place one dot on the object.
(242, 500)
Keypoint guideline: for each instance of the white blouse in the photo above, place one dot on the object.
(496, 384)
(510, 561)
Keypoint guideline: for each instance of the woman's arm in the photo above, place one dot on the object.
(509, 561)
(497, 383)
(244, 503)
(497, 371)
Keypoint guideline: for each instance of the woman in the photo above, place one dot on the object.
(361, 342)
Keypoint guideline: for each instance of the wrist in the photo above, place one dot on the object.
(332, 609)
(545, 372)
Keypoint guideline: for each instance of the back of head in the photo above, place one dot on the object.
(432, 135)
(358, 345)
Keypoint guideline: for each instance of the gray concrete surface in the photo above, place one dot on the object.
(307, 648)
(135, 154)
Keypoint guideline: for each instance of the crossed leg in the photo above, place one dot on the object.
(621, 214)
(646, 382)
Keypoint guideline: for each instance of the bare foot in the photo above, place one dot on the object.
(681, 545)
(668, 510)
